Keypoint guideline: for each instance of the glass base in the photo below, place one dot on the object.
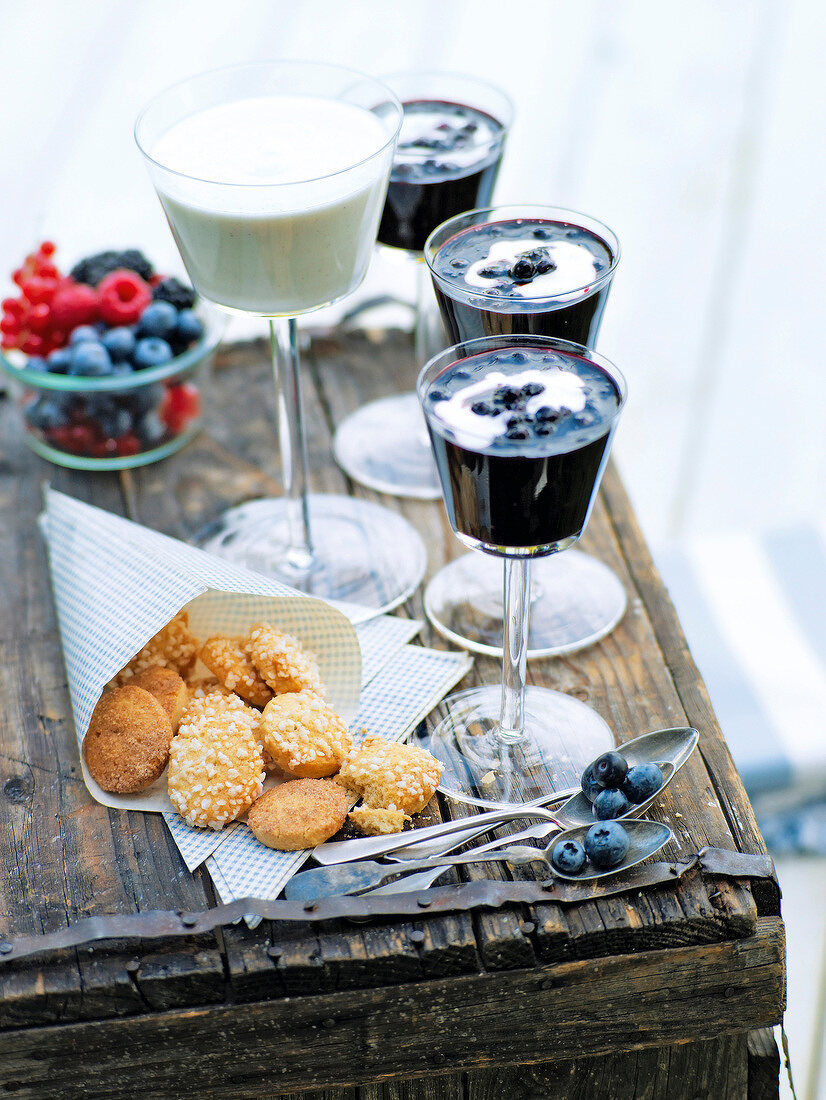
(562, 736)
(362, 554)
(575, 601)
(384, 445)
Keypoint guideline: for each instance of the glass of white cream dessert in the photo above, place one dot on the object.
(447, 159)
(272, 176)
(509, 270)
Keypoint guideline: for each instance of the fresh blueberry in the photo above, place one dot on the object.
(507, 397)
(119, 342)
(606, 844)
(60, 360)
(544, 266)
(482, 408)
(189, 327)
(568, 857)
(523, 270)
(151, 351)
(517, 432)
(532, 389)
(641, 782)
(610, 769)
(590, 787)
(158, 319)
(115, 423)
(83, 333)
(37, 363)
(150, 429)
(437, 395)
(124, 367)
(609, 804)
(90, 359)
(547, 413)
(46, 412)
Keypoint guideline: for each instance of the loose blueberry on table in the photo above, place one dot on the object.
(111, 316)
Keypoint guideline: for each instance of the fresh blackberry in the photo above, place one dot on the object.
(94, 268)
(171, 290)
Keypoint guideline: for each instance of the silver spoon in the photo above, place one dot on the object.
(645, 838)
(425, 879)
(670, 748)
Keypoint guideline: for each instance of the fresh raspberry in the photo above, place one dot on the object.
(181, 403)
(122, 297)
(127, 444)
(47, 248)
(74, 304)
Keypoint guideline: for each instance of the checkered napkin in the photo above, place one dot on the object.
(754, 611)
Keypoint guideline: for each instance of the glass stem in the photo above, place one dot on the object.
(428, 333)
(292, 441)
(514, 649)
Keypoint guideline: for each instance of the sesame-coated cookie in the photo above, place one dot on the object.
(167, 687)
(174, 646)
(298, 814)
(303, 735)
(373, 821)
(281, 661)
(126, 746)
(228, 658)
(390, 775)
(215, 766)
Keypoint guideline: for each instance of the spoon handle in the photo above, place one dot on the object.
(345, 851)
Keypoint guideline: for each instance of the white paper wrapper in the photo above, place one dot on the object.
(117, 583)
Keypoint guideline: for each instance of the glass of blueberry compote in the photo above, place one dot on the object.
(272, 176)
(521, 427)
(524, 269)
(447, 159)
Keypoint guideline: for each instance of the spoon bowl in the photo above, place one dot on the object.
(644, 839)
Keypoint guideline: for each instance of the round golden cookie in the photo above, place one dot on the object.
(298, 814)
(303, 735)
(391, 776)
(219, 707)
(228, 658)
(174, 646)
(215, 766)
(281, 661)
(126, 746)
(167, 687)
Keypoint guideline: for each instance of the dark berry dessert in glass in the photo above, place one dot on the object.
(446, 161)
(521, 427)
(527, 269)
(521, 436)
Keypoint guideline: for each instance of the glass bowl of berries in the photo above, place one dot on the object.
(107, 362)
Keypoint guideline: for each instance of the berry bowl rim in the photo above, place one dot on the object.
(215, 322)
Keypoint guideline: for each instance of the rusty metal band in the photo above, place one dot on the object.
(457, 898)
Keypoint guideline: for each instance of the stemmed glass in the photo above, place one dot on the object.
(521, 428)
(447, 159)
(524, 269)
(272, 176)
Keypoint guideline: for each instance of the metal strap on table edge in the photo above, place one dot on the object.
(160, 924)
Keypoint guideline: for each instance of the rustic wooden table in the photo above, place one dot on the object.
(666, 993)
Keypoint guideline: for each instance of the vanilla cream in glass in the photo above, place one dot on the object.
(272, 176)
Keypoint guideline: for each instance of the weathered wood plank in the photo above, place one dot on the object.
(479, 1021)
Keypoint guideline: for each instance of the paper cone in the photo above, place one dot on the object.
(117, 583)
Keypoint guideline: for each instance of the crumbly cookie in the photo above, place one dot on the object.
(215, 767)
(167, 687)
(298, 814)
(281, 661)
(373, 821)
(390, 775)
(126, 746)
(303, 735)
(228, 658)
(174, 646)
